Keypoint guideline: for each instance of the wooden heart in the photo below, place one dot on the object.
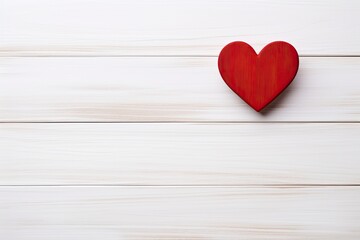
(258, 78)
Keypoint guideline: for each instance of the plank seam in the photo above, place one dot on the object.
(154, 56)
(179, 122)
(185, 186)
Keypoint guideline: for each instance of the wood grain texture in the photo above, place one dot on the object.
(112, 213)
(167, 89)
(173, 27)
(88, 175)
(179, 154)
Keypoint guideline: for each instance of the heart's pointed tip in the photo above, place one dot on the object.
(259, 109)
(256, 107)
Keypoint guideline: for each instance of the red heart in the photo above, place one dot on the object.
(258, 79)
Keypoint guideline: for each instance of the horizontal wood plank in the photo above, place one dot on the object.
(109, 213)
(166, 89)
(185, 27)
(179, 154)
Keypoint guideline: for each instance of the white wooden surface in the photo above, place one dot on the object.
(172, 27)
(115, 124)
(112, 213)
(179, 154)
(166, 89)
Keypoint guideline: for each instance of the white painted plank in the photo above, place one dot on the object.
(179, 154)
(167, 89)
(109, 213)
(170, 27)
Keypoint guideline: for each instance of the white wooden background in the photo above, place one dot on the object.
(115, 123)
